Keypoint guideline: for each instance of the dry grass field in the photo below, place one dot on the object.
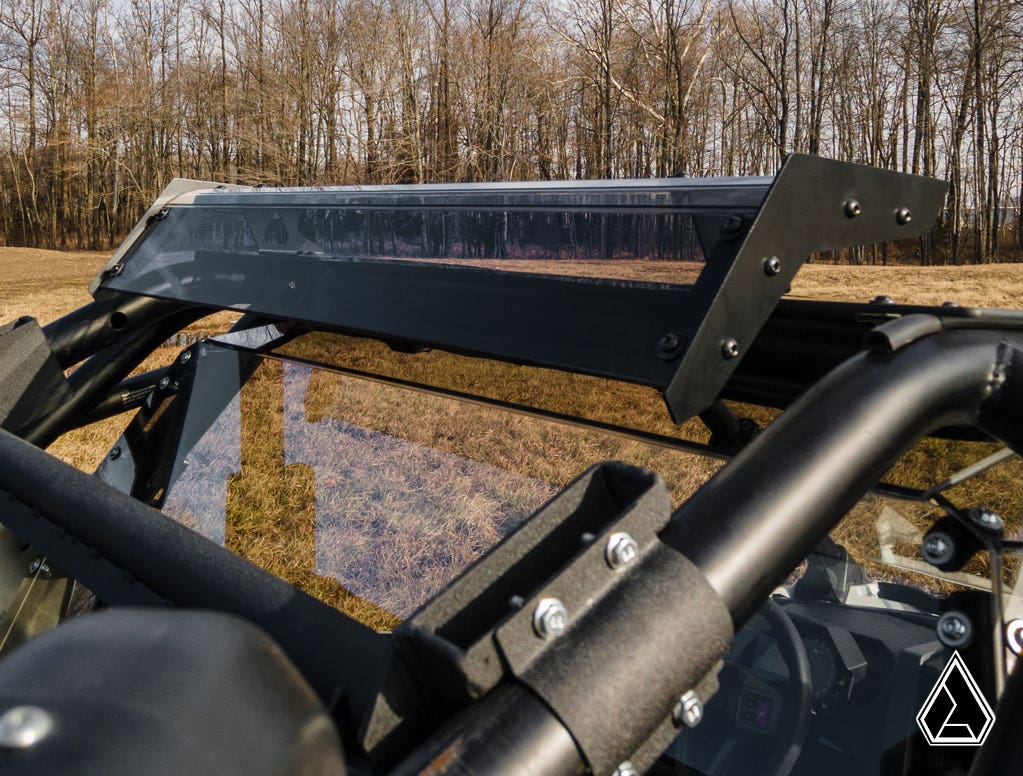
(274, 504)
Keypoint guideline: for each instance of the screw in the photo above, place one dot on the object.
(731, 226)
(1014, 636)
(669, 346)
(164, 382)
(115, 270)
(186, 357)
(550, 618)
(24, 726)
(621, 550)
(625, 769)
(730, 348)
(688, 711)
(954, 629)
(115, 453)
(937, 548)
(852, 208)
(881, 299)
(772, 266)
(903, 216)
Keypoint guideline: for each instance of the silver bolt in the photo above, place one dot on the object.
(186, 357)
(730, 348)
(937, 548)
(772, 266)
(625, 769)
(852, 208)
(987, 518)
(1014, 636)
(164, 382)
(954, 630)
(115, 453)
(24, 726)
(621, 550)
(903, 216)
(688, 711)
(550, 618)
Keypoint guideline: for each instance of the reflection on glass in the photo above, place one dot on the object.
(373, 496)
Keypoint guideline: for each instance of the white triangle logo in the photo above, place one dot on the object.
(956, 713)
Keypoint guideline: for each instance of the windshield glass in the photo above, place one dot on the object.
(370, 495)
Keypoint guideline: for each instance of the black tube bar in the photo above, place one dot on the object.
(127, 395)
(100, 373)
(90, 328)
(749, 526)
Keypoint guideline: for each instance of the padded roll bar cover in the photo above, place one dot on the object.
(32, 383)
(153, 692)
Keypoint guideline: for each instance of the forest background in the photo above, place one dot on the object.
(102, 102)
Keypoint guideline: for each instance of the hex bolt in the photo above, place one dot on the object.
(115, 453)
(621, 550)
(186, 357)
(688, 711)
(937, 548)
(730, 348)
(772, 266)
(22, 727)
(1014, 636)
(852, 208)
(954, 629)
(626, 769)
(903, 216)
(550, 618)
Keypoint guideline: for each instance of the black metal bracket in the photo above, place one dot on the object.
(813, 205)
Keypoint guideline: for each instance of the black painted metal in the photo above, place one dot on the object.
(97, 376)
(800, 476)
(89, 329)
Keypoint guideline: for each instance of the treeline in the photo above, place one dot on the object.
(104, 101)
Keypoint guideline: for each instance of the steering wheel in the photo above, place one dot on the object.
(717, 748)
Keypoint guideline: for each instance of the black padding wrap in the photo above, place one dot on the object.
(614, 679)
(32, 383)
(154, 692)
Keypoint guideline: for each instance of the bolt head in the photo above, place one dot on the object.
(954, 630)
(730, 348)
(1014, 636)
(164, 382)
(851, 208)
(550, 618)
(987, 519)
(115, 453)
(772, 266)
(903, 216)
(688, 711)
(882, 299)
(621, 550)
(626, 769)
(22, 727)
(669, 341)
(731, 226)
(186, 357)
(937, 548)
